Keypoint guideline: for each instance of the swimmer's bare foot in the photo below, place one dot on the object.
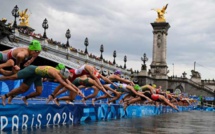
(3, 97)
(93, 101)
(108, 102)
(9, 100)
(56, 101)
(50, 98)
(71, 103)
(125, 106)
(84, 101)
(67, 102)
(25, 100)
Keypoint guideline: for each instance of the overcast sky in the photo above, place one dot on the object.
(124, 26)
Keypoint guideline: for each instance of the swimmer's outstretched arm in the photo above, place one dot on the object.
(6, 72)
(11, 77)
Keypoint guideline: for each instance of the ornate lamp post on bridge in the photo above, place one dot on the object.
(114, 56)
(144, 59)
(68, 35)
(15, 13)
(184, 74)
(101, 50)
(125, 60)
(86, 43)
(173, 69)
(45, 26)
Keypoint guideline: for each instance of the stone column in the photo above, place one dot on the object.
(159, 65)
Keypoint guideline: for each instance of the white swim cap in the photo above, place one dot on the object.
(65, 72)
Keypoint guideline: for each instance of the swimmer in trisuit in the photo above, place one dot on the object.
(15, 56)
(34, 74)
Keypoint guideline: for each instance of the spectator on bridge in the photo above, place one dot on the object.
(34, 74)
(15, 56)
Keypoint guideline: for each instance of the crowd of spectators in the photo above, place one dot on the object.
(51, 41)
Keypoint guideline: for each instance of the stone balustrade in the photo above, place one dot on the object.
(67, 56)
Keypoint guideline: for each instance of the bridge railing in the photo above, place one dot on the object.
(202, 86)
(56, 58)
(23, 40)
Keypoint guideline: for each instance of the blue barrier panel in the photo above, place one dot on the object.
(204, 108)
(209, 109)
(19, 116)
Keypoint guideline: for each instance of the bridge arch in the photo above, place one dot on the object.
(179, 89)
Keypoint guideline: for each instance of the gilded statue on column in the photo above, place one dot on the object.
(24, 18)
(161, 13)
